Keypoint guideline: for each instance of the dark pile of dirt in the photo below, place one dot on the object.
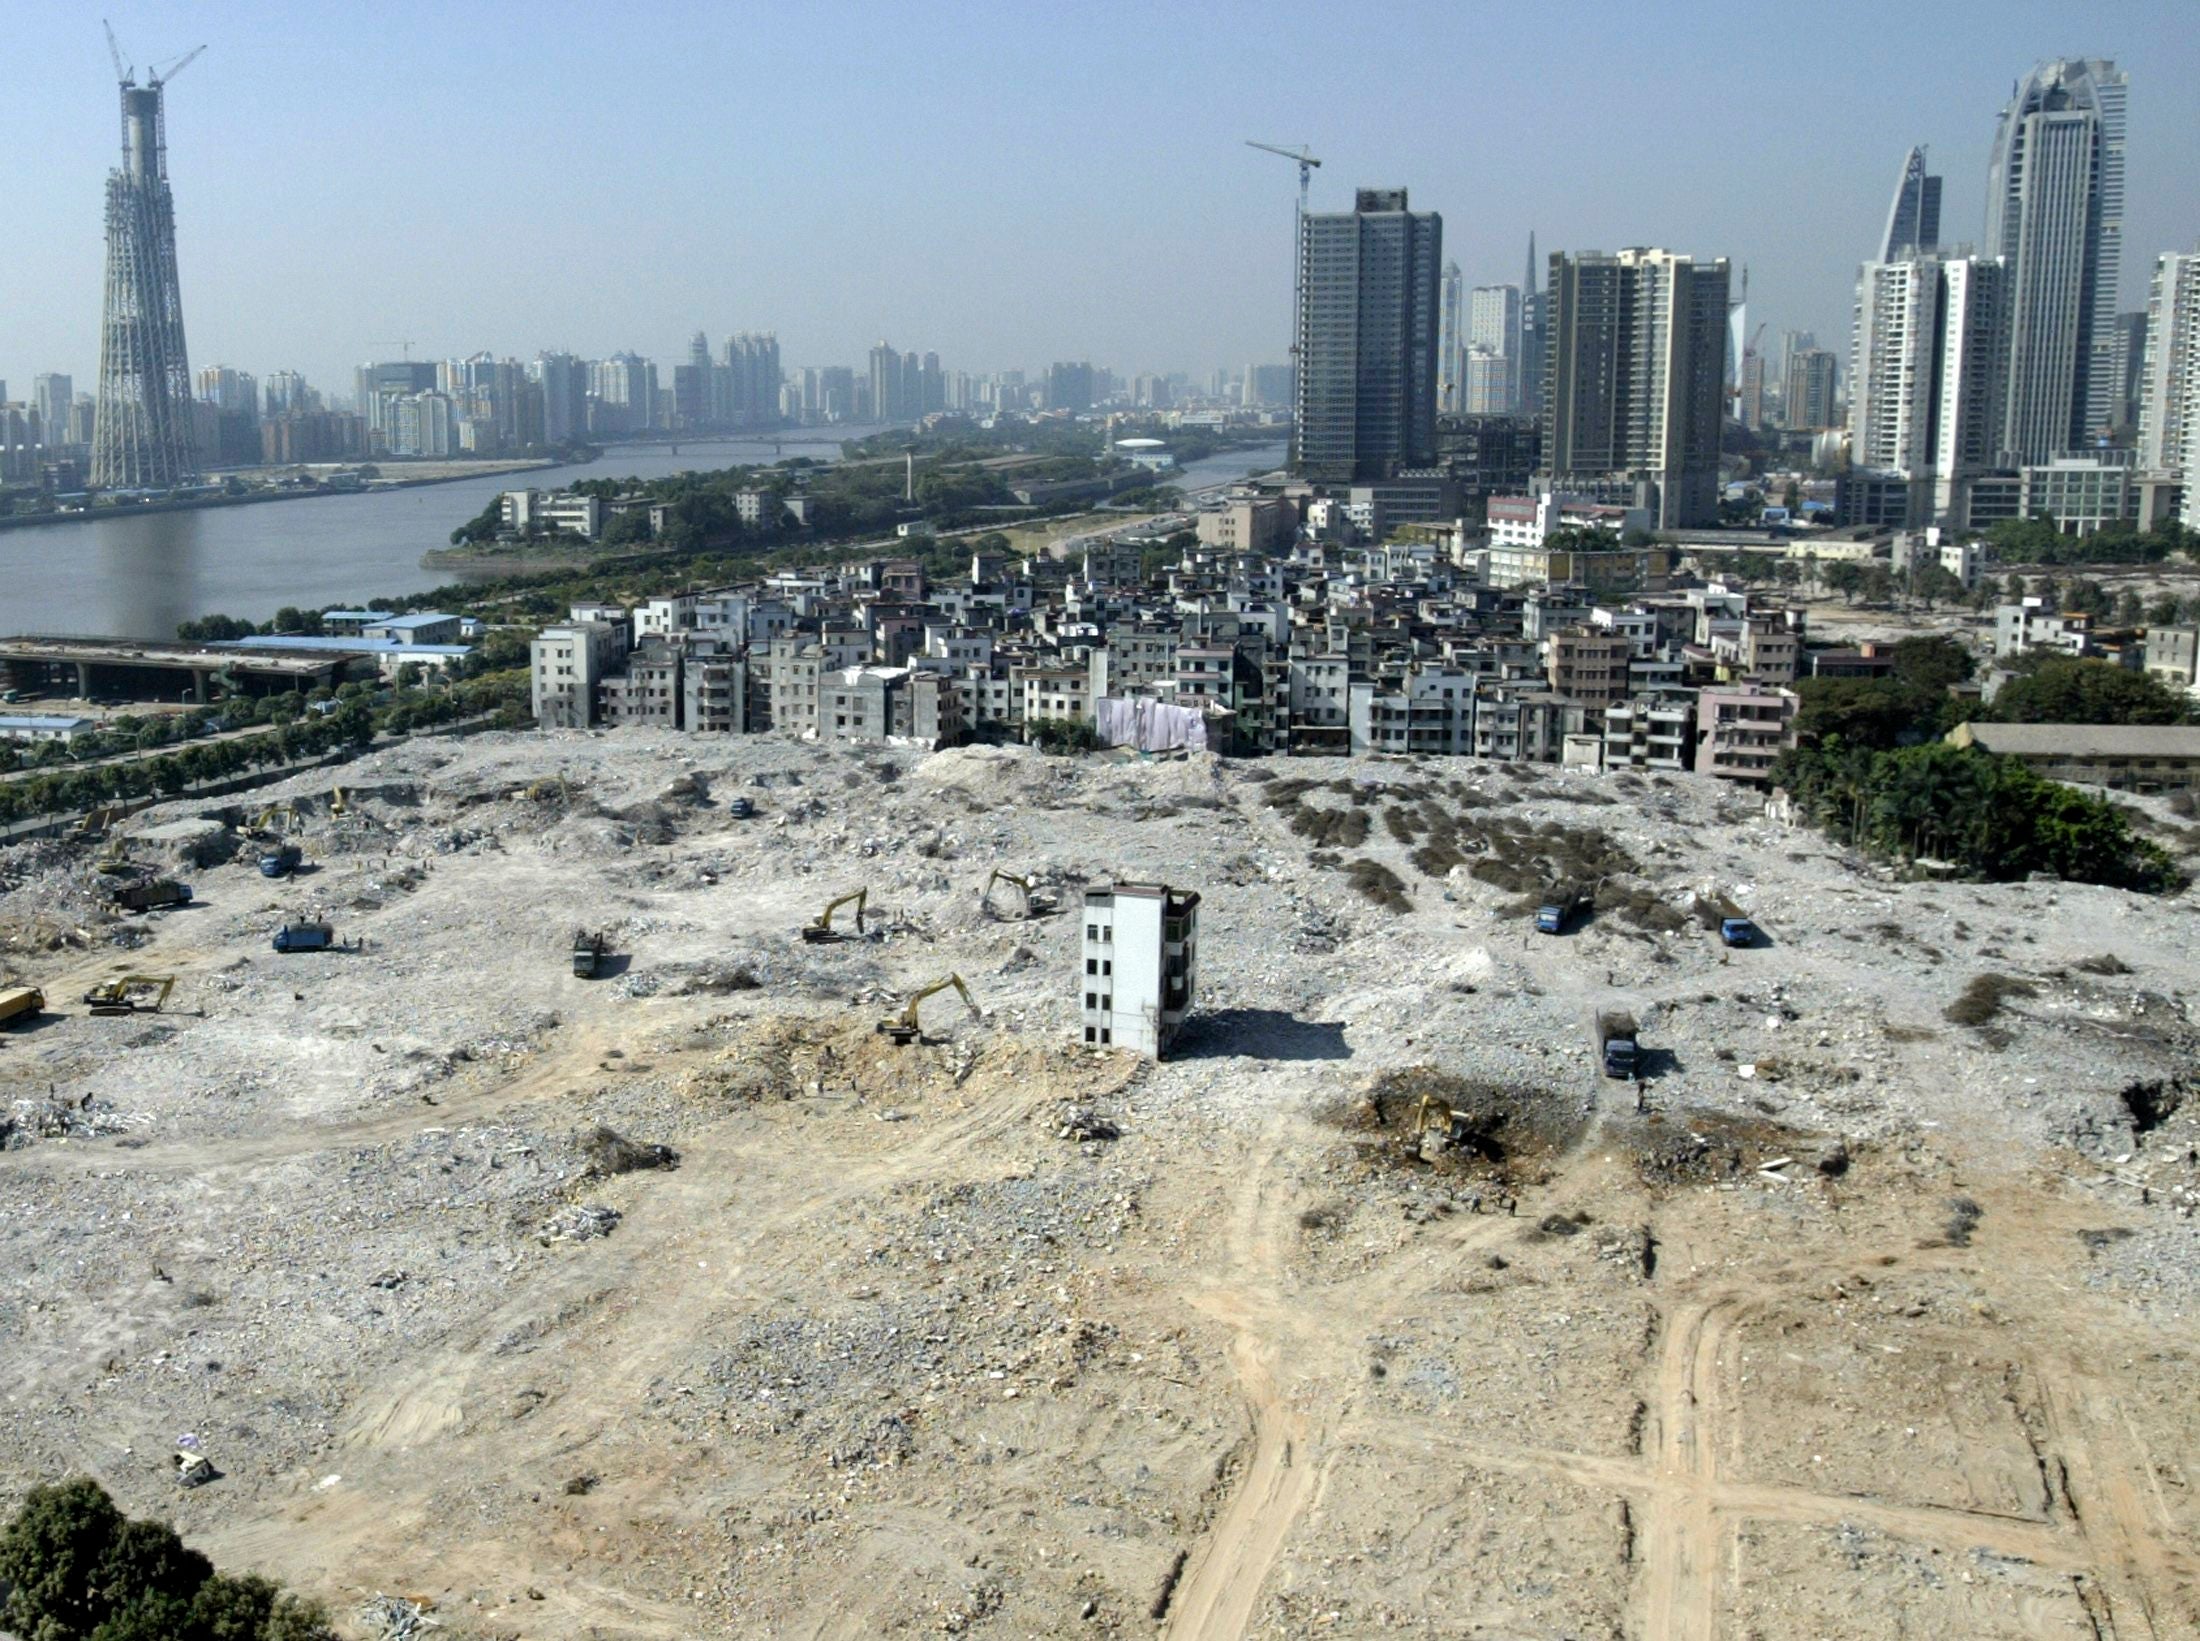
(610, 1152)
(1705, 1147)
(1422, 1113)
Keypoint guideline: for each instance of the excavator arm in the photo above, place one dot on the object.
(822, 929)
(903, 1027)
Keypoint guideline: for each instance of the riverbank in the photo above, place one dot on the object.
(207, 504)
(467, 561)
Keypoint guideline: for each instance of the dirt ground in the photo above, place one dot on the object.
(1853, 1321)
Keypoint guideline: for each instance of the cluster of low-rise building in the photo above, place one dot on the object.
(1260, 638)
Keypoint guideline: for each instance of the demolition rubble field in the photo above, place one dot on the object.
(681, 1301)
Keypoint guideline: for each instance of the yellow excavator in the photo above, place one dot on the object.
(265, 825)
(131, 994)
(336, 803)
(1037, 902)
(114, 860)
(822, 930)
(903, 1027)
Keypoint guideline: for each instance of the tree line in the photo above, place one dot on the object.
(1870, 767)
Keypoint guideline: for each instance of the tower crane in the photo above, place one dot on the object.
(158, 76)
(125, 73)
(1303, 158)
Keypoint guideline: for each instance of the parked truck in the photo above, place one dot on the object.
(282, 860)
(146, 897)
(1612, 1035)
(1559, 909)
(1734, 926)
(305, 937)
(20, 1003)
(589, 951)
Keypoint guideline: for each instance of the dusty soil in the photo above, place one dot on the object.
(1852, 1321)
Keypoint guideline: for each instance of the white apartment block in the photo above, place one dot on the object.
(558, 512)
(2169, 390)
(1141, 965)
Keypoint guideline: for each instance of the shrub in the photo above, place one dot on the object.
(1981, 1000)
(75, 1568)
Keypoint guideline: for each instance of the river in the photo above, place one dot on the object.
(138, 576)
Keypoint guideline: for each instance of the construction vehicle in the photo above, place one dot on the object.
(113, 861)
(550, 786)
(95, 822)
(146, 897)
(740, 808)
(336, 803)
(1612, 1036)
(1037, 902)
(589, 951)
(1735, 928)
(282, 860)
(1559, 909)
(903, 1027)
(305, 937)
(822, 930)
(131, 994)
(20, 1003)
(264, 826)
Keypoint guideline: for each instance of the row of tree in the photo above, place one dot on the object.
(354, 721)
(1985, 816)
(2039, 541)
(1871, 767)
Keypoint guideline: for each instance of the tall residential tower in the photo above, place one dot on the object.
(1366, 389)
(1635, 380)
(1913, 220)
(141, 431)
(2055, 216)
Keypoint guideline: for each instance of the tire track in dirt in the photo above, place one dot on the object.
(1225, 1576)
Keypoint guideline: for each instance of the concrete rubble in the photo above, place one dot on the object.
(994, 1333)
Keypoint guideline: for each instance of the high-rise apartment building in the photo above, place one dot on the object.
(1913, 220)
(142, 433)
(564, 381)
(1070, 386)
(1635, 381)
(1451, 344)
(1926, 378)
(1807, 395)
(2055, 215)
(286, 394)
(2169, 391)
(1494, 351)
(1533, 355)
(51, 396)
(1365, 398)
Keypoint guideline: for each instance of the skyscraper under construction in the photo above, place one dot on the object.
(141, 433)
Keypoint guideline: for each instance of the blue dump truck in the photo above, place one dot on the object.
(304, 937)
(282, 860)
(1734, 926)
(1612, 1036)
(1559, 909)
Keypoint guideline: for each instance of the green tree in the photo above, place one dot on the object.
(1845, 578)
(2071, 690)
(1932, 664)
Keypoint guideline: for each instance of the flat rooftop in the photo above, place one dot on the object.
(283, 655)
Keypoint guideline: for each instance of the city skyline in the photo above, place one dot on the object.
(985, 232)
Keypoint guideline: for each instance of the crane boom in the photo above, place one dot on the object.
(161, 76)
(123, 72)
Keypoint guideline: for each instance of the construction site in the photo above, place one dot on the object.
(559, 1186)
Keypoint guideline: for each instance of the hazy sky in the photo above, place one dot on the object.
(1005, 183)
